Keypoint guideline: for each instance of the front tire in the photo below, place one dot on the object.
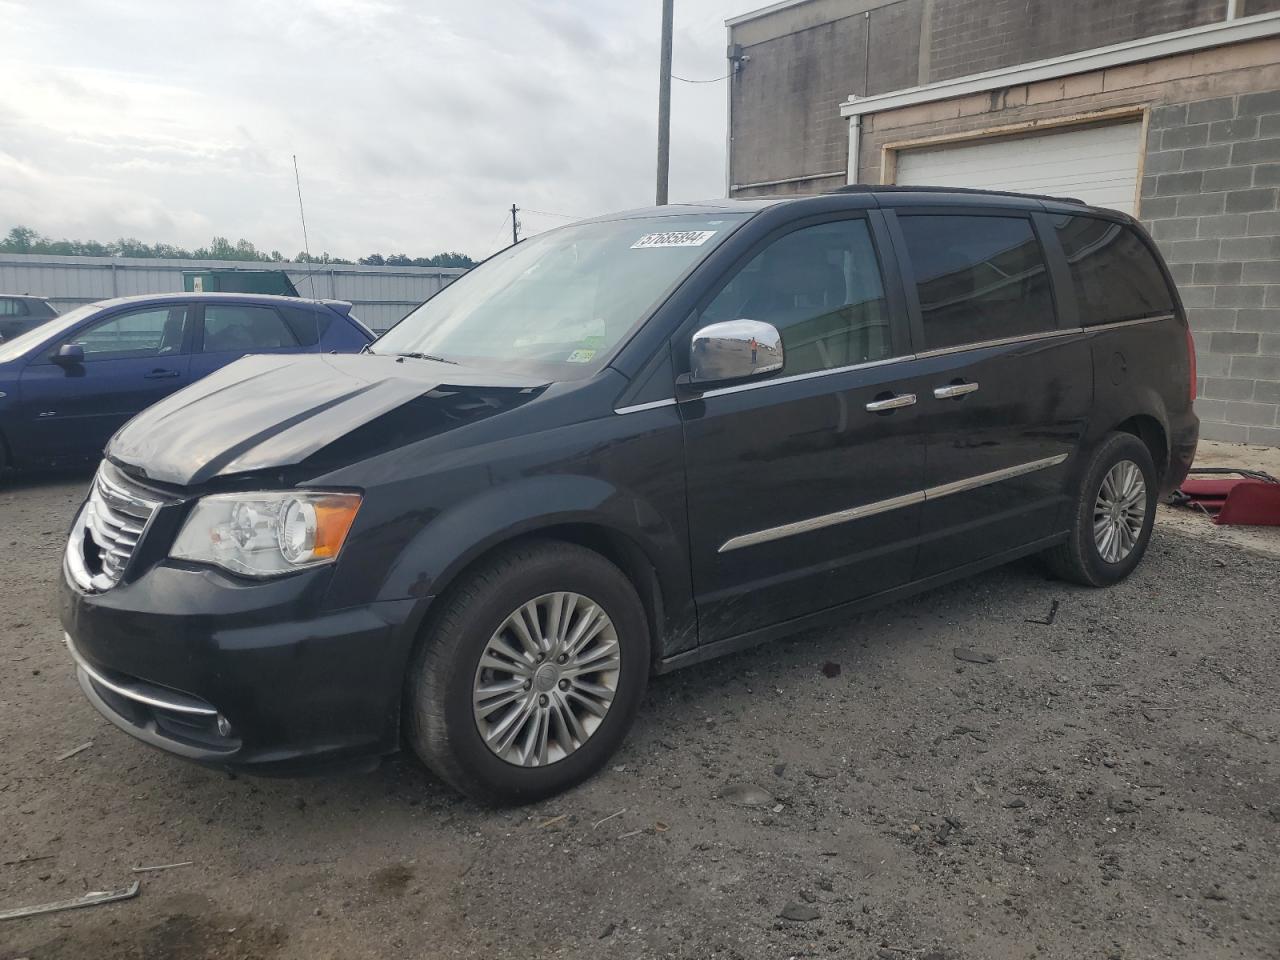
(1113, 517)
(530, 675)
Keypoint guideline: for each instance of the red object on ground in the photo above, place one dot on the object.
(1236, 500)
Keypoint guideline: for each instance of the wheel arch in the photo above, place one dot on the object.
(1154, 436)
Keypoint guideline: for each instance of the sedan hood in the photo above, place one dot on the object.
(266, 412)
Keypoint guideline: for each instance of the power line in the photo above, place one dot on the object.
(548, 213)
(713, 80)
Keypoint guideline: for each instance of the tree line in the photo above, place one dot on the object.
(25, 240)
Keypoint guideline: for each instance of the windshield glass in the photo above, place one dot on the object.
(557, 304)
(19, 345)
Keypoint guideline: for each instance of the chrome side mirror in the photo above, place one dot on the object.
(734, 350)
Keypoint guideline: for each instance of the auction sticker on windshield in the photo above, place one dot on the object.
(675, 238)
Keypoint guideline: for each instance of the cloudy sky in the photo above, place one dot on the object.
(415, 123)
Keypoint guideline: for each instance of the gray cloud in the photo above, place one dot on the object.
(415, 124)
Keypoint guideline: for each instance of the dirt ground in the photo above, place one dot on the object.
(1107, 785)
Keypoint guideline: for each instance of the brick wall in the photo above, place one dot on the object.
(1210, 191)
(786, 98)
(971, 36)
(1209, 196)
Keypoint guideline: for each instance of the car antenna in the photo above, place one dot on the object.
(306, 245)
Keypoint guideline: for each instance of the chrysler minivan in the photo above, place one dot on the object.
(617, 448)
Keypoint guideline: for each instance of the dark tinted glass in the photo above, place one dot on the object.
(307, 326)
(12, 308)
(1114, 273)
(230, 327)
(820, 287)
(979, 278)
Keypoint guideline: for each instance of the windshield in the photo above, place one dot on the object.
(21, 344)
(558, 304)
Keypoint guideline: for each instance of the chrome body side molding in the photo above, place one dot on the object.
(894, 503)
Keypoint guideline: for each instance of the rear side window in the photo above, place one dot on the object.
(307, 326)
(12, 308)
(820, 287)
(978, 278)
(236, 327)
(1115, 275)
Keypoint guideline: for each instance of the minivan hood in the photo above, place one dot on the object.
(271, 411)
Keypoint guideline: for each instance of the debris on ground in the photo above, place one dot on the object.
(596, 825)
(1052, 615)
(973, 656)
(830, 670)
(162, 866)
(746, 795)
(799, 912)
(88, 900)
(74, 750)
(1232, 496)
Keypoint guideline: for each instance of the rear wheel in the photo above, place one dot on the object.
(530, 675)
(1113, 517)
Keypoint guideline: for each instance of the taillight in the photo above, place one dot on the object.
(1191, 363)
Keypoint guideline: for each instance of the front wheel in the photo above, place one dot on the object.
(1113, 516)
(530, 675)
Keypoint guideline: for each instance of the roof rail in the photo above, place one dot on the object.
(896, 188)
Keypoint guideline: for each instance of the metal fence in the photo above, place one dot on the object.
(380, 295)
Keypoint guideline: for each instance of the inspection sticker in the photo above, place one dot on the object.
(676, 238)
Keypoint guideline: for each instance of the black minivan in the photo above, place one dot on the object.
(617, 448)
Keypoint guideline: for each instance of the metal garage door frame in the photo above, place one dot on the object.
(1139, 112)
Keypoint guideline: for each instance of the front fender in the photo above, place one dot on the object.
(458, 536)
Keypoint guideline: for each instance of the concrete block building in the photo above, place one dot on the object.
(1165, 109)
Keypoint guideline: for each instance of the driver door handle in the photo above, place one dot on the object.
(954, 390)
(891, 403)
(161, 374)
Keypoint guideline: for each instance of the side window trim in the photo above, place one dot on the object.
(915, 317)
(889, 280)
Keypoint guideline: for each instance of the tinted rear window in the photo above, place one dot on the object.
(978, 278)
(1114, 273)
(307, 325)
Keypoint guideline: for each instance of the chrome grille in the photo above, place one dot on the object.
(108, 530)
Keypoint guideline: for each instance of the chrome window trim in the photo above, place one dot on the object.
(893, 503)
(1001, 342)
(811, 375)
(1129, 323)
(180, 703)
(652, 405)
(927, 354)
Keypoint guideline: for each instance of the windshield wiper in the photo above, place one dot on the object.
(427, 356)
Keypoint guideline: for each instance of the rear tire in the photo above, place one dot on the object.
(1113, 516)
(500, 708)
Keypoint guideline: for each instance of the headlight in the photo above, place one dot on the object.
(265, 534)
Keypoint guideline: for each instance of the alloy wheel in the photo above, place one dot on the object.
(546, 679)
(1120, 511)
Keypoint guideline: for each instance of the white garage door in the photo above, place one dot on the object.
(1098, 165)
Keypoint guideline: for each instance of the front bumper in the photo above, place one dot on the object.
(242, 675)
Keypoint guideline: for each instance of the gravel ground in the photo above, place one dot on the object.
(1104, 786)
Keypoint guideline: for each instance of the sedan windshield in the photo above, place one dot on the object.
(558, 304)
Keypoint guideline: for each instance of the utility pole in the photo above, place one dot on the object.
(664, 104)
(515, 225)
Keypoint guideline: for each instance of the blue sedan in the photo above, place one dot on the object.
(69, 384)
